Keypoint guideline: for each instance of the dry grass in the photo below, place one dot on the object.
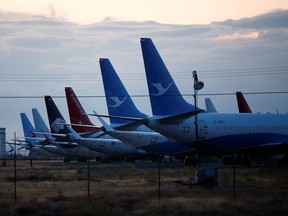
(57, 188)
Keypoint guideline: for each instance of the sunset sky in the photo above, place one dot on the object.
(162, 11)
(48, 45)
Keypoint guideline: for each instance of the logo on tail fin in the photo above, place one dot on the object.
(160, 88)
(117, 101)
(56, 126)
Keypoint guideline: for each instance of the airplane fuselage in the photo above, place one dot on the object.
(109, 146)
(151, 142)
(221, 132)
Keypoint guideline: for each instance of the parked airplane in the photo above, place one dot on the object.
(80, 151)
(119, 102)
(36, 141)
(140, 139)
(216, 131)
(113, 147)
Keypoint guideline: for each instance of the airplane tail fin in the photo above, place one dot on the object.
(210, 106)
(119, 102)
(243, 106)
(164, 94)
(29, 131)
(40, 125)
(55, 117)
(77, 113)
(28, 128)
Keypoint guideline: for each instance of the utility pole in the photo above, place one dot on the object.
(15, 194)
(197, 86)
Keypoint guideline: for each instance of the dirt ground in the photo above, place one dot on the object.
(52, 187)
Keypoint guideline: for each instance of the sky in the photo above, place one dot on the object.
(162, 11)
(233, 45)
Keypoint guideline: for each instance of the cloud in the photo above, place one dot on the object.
(43, 43)
(41, 55)
(275, 19)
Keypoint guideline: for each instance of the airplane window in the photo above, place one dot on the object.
(186, 129)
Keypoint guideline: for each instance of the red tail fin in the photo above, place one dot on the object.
(243, 106)
(77, 112)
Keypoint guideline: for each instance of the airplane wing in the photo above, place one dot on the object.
(119, 117)
(160, 118)
(179, 116)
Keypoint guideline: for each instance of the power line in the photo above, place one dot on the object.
(215, 73)
(146, 95)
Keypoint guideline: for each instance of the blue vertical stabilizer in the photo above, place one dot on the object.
(164, 95)
(119, 102)
(28, 128)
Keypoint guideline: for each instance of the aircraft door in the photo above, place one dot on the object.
(202, 129)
